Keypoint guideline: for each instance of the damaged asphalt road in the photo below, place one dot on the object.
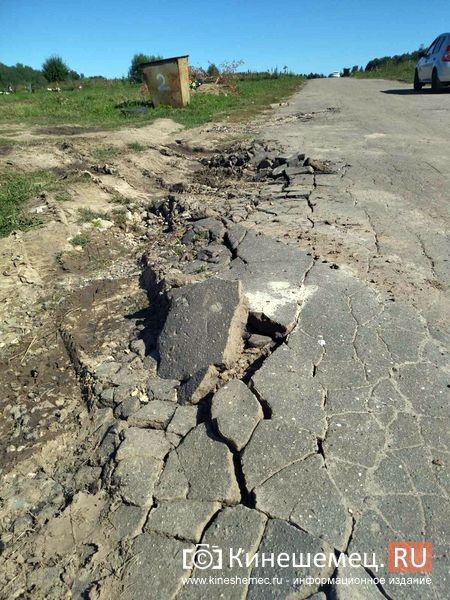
(269, 398)
(387, 219)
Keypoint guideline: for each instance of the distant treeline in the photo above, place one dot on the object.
(377, 64)
(20, 75)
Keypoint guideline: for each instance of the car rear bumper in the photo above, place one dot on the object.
(443, 69)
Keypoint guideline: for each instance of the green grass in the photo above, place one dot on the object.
(86, 215)
(6, 142)
(136, 147)
(120, 199)
(82, 239)
(403, 71)
(99, 106)
(118, 216)
(106, 152)
(63, 196)
(15, 190)
(202, 269)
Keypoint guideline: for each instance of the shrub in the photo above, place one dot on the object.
(55, 69)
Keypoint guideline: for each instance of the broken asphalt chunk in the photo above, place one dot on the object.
(204, 328)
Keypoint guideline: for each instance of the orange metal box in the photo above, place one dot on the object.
(168, 81)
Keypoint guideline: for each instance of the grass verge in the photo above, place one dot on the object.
(100, 106)
(15, 189)
(403, 71)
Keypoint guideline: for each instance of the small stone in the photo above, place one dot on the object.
(236, 412)
(156, 414)
(188, 237)
(278, 171)
(138, 347)
(163, 389)
(135, 364)
(213, 227)
(127, 408)
(106, 370)
(107, 446)
(216, 254)
(259, 341)
(107, 396)
(130, 375)
(176, 279)
(150, 364)
(123, 392)
(265, 163)
(23, 524)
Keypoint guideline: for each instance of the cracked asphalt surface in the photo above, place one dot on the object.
(389, 221)
(329, 437)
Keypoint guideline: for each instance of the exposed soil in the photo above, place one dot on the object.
(66, 130)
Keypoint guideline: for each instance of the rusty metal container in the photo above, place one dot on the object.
(168, 81)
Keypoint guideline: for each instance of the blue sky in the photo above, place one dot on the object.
(100, 37)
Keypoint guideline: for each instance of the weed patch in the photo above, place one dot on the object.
(120, 199)
(86, 215)
(136, 147)
(15, 190)
(119, 217)
(63, 196)
(106, 152)
(82, 239)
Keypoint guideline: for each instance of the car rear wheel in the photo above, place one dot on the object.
(436, 84)
(417, 83)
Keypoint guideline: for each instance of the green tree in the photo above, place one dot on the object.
(213, 70)
(18, 75)
(55, 69)
(135, 74)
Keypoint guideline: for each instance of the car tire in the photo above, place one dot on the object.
(417, 83)
(436, 84)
